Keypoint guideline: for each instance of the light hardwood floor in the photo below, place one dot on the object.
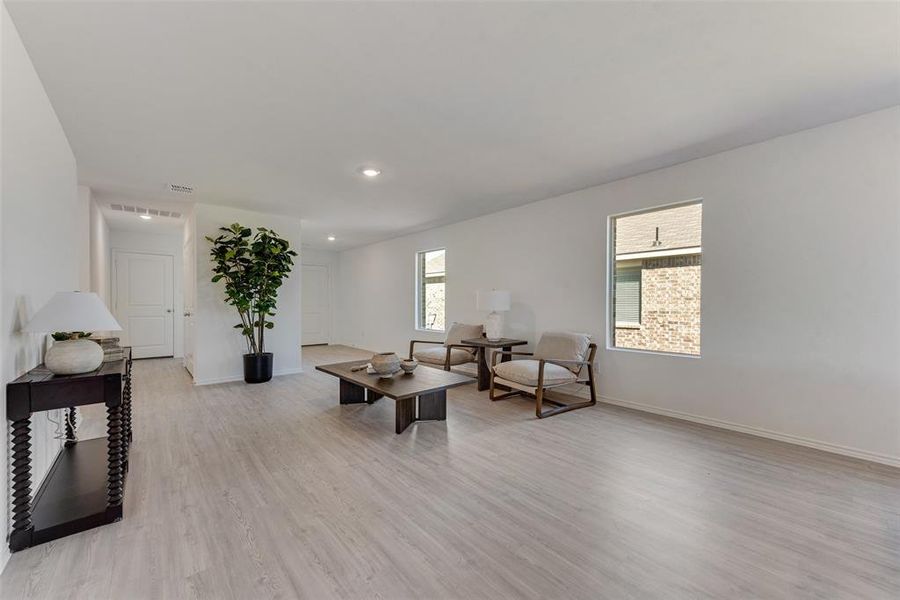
(277, 491)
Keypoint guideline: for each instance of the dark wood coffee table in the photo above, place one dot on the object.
(484, 373)
(425, 388)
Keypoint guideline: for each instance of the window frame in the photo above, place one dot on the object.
(419, 292)
(611, 276)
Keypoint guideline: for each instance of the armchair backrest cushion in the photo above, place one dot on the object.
(460, 331)
(562, 345)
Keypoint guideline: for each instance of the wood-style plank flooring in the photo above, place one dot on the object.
(277, 491)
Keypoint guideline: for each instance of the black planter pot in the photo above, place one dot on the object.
(258, 367)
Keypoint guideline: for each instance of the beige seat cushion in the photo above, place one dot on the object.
(460, 331)
(561, 345)
(525, 372)
(438, 354)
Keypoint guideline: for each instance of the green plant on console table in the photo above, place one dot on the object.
(61, 336)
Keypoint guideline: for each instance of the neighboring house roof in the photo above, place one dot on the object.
(679, 228)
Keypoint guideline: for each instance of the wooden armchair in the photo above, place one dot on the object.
(559, 359)
(452, 352)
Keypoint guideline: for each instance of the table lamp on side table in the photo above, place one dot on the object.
(496, 301)
(71, 316)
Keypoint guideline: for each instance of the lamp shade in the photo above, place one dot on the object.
(493, 301)
(73, 311)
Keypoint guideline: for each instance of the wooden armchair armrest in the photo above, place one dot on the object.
(412, 344)
(451, 347)
(462, 346)
(507, 353)
(561, 362)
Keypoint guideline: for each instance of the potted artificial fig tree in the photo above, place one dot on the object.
(253, 266)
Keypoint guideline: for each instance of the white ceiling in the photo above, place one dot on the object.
(468, 108)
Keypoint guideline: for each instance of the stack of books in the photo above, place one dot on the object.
(111, 349)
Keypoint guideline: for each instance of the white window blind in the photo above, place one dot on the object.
(628, 294)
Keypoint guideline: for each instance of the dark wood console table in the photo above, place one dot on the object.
(85, 486)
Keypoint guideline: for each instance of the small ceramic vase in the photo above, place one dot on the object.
(386, 363)
(409, 365)
(71, 357)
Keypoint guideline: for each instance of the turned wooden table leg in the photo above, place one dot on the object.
(22, 527)
(71, 426)
(127, 400)
(115, 454)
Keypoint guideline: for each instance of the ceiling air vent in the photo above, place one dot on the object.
(139, 210)
(181, 189)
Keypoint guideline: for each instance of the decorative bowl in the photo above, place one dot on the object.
(386, 363)
(409, 365)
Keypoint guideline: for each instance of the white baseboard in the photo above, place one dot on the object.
(884, 459)
(292, 371)
(231, 378)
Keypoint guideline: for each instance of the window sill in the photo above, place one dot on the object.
(423, 330)
(628, 325)
(656, 352)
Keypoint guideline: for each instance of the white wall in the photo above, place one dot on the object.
(83, 226)
(218, 347)
(99, 248)
(43, 231)
(189, 284)
(170, 243)
(330, 259)
(801, 328)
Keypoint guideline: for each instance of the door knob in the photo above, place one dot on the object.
(168, 310)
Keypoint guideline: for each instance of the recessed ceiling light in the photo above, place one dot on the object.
(370, 172)
(331, 238)
(146, 217)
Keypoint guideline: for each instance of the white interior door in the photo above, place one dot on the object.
(316, 305)
(143, 302)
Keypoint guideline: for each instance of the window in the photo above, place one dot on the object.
(431, 281)
(655, 279)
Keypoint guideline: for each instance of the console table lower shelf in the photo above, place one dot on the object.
(73, 496)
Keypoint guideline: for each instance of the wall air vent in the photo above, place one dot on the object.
(138, 210)
(181, 189)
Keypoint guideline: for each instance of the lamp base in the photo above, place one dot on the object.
(71, 357)
(493, 326)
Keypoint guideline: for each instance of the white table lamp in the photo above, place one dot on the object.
(495, 301)
(69, 312)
